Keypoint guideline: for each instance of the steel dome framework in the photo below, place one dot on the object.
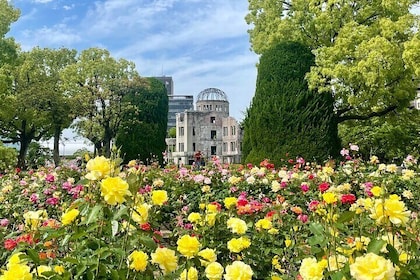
(212, 94)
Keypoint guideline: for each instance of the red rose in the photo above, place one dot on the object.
(324, 186)
(348, 198)
(145, 227)
(10, 244)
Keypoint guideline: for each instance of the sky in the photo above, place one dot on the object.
(199, 43)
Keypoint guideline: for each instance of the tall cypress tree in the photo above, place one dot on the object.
(285, 117)
(143, 131)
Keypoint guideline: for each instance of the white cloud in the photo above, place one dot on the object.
(68, 7)
(55, 36)
(43, 1)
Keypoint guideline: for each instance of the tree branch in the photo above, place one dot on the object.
(368, 116)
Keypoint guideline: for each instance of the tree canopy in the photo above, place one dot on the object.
(366, 52)
(143, 129)
(8, 15)
(95, 81)
(285, 117)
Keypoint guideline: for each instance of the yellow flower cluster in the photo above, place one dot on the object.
(69, 216)
(159, 197)
(166, 259)
(214, 271)
(238, 271)
(188, 246)
(372, 266)
(33, 219)
(190, 274)
(329, 197)
(392, 209)
(237, 225)
(194, 217)
(99, 168)
(138, 260)
(311, 269)
(141, 213)
(114, 190)
(207, 256)
(236, 245)
(230, 202)
(263, 224)
(16, 269)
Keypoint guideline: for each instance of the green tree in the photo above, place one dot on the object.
(142, 134)
(366, 52)
(62, 107)
(388, 138)
(8, 15)
(28, 89)
(285, 117)
(95, 81)
(8, 156)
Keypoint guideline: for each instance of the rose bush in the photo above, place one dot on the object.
(297, 221)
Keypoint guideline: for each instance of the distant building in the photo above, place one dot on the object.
(208, 129)
(168, 83)
(176, 103)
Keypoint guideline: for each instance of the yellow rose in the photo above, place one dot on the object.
(33, 219)
(230, 202)
(392, 208)
(113, 189)
(329, 197)
(17, 271)
(287, 242)
(194, 217)
(263, 224)
(188, 246)
(99, 167)
(210, 219)
(376, 191)
(41, 269)
(138, 260)
(238, 271)
(207, 256)
(59, 269)
(16, 259)
(69, 216)
(141, 213)
(310, 269)
(237, 225)
(192, 274)
(214, 271)
(236, 245)
(159, 197)
(372, 266)
(166, 259)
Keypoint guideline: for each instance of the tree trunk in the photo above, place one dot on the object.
(56, 153)
(24, 145)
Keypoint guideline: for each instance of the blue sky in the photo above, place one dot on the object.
(200, 43)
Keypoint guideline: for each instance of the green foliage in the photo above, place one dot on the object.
(172, 132)
(366, 52)
(38, 156)
(391, 139)
(29, 92)
(8, 46)
(285, 117)
(96, 81)
(8, 157)
(143, 131)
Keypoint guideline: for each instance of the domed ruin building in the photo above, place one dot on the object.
(208, 129)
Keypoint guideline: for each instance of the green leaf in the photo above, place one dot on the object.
(346, 217)
(93, 215)
(393, 254)
(71, 260)
(122, 211)
(33, 255)
(375, 246)
(316, 229)
(148, 242)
